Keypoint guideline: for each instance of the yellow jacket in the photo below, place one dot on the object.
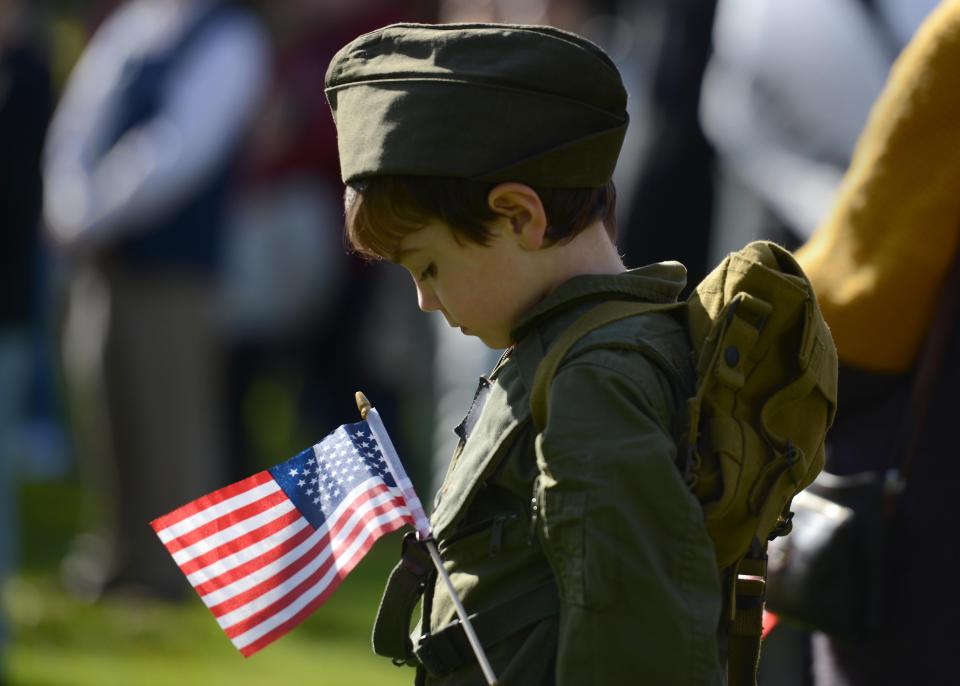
(879, 261)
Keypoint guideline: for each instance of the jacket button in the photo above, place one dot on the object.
(732, 356)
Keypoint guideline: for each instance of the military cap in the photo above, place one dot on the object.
(491, 102)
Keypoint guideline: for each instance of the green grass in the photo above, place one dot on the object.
(61, 641)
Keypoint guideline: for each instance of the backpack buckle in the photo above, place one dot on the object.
(745, 319)
(757, 311)
(784, 526)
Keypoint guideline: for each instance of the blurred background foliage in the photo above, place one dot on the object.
(702, 171)
(61, 641)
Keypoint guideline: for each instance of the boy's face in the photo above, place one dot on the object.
(483, 289)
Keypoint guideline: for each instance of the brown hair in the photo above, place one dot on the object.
(381, 210)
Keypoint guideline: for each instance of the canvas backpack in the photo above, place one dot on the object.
(766, 393)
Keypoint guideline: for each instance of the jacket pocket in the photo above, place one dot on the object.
(478, 539)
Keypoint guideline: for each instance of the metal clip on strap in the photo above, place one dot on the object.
(391, 631)
(745, 630)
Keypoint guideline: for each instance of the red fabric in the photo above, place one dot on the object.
(769, 621)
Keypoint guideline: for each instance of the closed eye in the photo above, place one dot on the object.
(431, 270)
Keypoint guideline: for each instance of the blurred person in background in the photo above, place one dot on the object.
(137, 169)
(668, 211)
(297, 307)
(25, 105)
(785, 95)
(881, 264)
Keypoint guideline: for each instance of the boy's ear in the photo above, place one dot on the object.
(521, 206)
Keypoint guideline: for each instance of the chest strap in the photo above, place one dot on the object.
(447, 649)
(407, 582)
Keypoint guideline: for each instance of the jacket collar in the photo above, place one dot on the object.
(508, 406)
(660, 282)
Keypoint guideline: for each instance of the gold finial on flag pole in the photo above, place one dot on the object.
(362, 404)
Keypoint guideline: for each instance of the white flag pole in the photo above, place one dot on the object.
(462, 613)
(420, 521)
(422, 525)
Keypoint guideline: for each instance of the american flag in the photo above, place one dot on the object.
(265, 552)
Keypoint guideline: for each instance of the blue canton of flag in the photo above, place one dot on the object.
(318, 479)
(265, 552)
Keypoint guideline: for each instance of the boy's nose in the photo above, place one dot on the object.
(427, 299)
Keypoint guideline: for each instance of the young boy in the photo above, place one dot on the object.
(479, 158)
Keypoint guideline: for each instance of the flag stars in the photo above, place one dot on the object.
(337, 476)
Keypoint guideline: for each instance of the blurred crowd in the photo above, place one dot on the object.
(178, 309)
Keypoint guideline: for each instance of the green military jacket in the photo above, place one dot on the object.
(580, 550)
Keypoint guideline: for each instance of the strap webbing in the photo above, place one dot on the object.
(601, 315)
(391, 631)
(743, 650)
(447, 649)
(743, 647)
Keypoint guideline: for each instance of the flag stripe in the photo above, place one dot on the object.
(271, 593)
(261, 580)
(237, 532)
(420, 520)
(332, 542)
(250, 645)
(310, 595)
(264, 552)
(269, 549)
(276, 543)
(261, 609)
(224, 495)
(240, 543)
(226, 521)
(247, 565)
(395, 467)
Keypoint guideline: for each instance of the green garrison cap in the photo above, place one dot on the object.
(491, 102)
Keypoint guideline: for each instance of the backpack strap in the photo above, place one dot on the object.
(407, 583)
(447, 649)
(596, 317)
(747, 581)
